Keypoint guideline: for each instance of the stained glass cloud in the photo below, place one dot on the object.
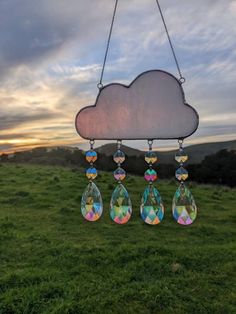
(152, 107)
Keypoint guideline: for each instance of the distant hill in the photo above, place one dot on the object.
(208, 163)
(64, 155)
(196, 152)
(109, 149)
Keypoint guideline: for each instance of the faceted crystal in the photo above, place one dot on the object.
(150, 175)
(91, 156)
(120, 205)
(119, 174)
(183, 207)
(150, 157)
(181, 156)
(152, 209)
(181, 174)
(119, 157)
(91, 203)
(91, 173)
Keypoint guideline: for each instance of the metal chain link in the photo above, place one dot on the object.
(181, 79)
(100, 85)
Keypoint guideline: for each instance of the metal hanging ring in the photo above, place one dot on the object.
(91, 142)
(181, 141)
(99, 85)
(182, 80)
(150, 142)
(119, 143)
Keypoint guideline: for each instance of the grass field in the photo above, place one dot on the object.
(52, 261)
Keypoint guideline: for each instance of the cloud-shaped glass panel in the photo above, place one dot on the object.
(152, 107)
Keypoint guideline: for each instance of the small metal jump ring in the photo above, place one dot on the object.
(182, 80)
(91, 142)
(180, 141)
(150, 142)
(99, 85)
(119, 143)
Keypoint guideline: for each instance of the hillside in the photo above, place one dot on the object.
(43, 155)
(110, 148)
(53, 261)
(196, 152)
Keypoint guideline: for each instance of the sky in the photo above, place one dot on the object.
(51, 52)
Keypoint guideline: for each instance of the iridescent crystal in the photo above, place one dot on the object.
(120, 205)
(91, 173)
(183, 207)
(91, 203)
(91, 156)
(150, 175)
(119, 174)
(150, 157)
(119, 157)
(152, 209)
(181, 174)
(181, 156)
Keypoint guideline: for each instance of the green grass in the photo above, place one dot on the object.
(53, 261)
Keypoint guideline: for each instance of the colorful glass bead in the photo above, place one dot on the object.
(184, 208)
(91, 203)
(150, 157)
(150, 175)
(181, 156)
(91, 173)
(91, 156)
(152, 209)
(120, 205)
(119, 174)
(181, 174)
(119, 157)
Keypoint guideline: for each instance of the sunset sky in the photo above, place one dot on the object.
(51, 53)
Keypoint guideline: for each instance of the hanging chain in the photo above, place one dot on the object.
(181, 79)
(100, 85)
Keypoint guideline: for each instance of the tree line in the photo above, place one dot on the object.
(219, 168)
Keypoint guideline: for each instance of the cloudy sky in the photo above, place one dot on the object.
(51, 53)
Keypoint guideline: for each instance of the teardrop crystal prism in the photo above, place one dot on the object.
(184, 208)
(120, 205)
(91, 203)
(152, 209)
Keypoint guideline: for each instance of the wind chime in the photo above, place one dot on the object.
(152, 107)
